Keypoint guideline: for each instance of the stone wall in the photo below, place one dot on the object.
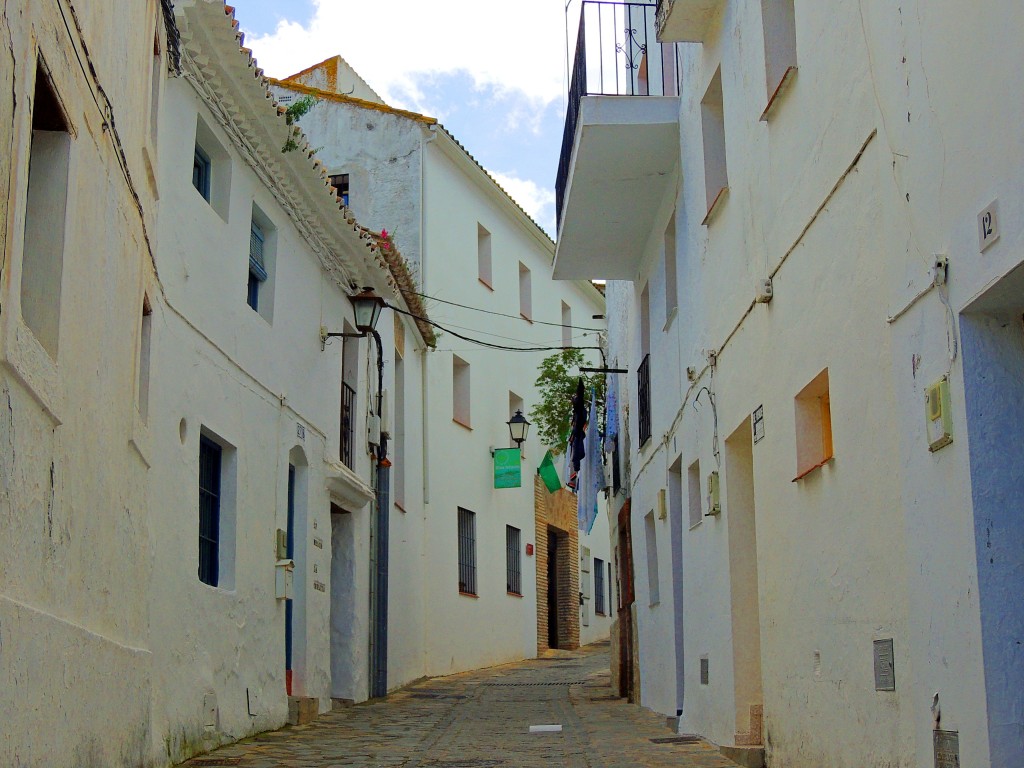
(558, 511)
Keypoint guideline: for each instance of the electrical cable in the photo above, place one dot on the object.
(488, 343)
(502, 314)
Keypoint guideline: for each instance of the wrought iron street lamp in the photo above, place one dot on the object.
(518, 427)
(367, 306)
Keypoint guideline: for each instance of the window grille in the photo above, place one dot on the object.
(467, 551)
(348, 423)
(209, 510)
(513, 568)
(599, 586)
(644, 397)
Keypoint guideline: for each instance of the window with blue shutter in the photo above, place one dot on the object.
(201, 173)
(257, 267)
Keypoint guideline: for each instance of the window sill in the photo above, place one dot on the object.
(526, 318)
(694, 526)
(401, 507)
(716, 204)
(515, 594)
(783, 85)
(600, 613)
(29, 362)
(462, 424)
(670, 320)
(469, 594)
(816, 467)
(485, 284)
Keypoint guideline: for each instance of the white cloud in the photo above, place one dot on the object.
(517, 45)
(534, 199)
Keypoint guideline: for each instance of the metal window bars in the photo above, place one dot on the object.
(513, 565)
(467, 552)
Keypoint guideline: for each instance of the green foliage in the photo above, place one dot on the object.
(551, 416)
(293, 114)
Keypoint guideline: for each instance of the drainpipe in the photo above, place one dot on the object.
(424, 389)
(379, 531)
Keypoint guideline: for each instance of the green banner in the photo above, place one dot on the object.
(507, 468)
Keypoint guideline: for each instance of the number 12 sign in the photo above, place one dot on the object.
(988, 226)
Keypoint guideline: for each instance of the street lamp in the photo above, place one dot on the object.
(518, 426)
(366, 306)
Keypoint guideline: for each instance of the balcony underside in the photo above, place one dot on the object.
(625, 158)
(686, 21)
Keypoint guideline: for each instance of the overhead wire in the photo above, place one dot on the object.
(503, 314)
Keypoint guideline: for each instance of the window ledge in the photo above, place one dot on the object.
(600, 613)
(696, 525)
(462, 424)
(526, 318)
(400, 507)
(469, 594)
(485, 284)
(817, 466)
(783, 85)
(515, 594)
(30, 363)
(717, 203)
(671, 319)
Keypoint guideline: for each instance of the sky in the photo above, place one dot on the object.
(492, 72)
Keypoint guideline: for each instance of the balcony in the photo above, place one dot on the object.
(686, 21)
(620, 146)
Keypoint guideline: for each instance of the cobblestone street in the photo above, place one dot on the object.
(483, 719)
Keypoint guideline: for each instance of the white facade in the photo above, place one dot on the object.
(860, 171)
(471, 245)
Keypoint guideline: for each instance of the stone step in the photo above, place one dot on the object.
(748, 757)
(302, 709)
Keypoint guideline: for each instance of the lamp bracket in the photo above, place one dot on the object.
(325, 336)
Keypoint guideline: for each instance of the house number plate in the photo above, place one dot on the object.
(947, 749)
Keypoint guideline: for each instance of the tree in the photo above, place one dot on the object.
(551, 416)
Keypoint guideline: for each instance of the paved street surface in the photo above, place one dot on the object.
(482, 720)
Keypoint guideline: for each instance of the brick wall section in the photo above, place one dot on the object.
(557, 510)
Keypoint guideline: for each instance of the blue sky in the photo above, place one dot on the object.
(493, 73)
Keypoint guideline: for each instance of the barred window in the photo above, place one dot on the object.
(467, 552)
(513, 566)
(209, 510)
(599, 586)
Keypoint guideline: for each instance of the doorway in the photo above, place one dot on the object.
(743, 584)
(288, 607)
(552, 588)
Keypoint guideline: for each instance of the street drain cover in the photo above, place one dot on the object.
(467, 763)
(535, 685)
(605, 698)
(432, 695)
(214, 761)
(686, 738)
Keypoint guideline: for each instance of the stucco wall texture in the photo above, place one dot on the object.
(843, 196)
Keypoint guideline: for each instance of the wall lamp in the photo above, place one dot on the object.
(518, 427)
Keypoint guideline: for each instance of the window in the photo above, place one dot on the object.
(712, 113)
(566, 325)
(643, 375)
(599, 586)
(42, 263)
(201, 173)
(693, 493)
(610, 596)
(483, 256)
(145, 340)
(349, 379)
(513, 565)
(155, 78)
(525, 292)
(257, 271)
(779, 21)
(645, 319)
(467, 552)
(813, 425)
(460, 391)
(671, 286)
(340, 183)
(209, 510)
(211, 169)
(652, 559)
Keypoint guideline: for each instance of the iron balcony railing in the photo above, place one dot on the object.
(643, 375)
(617, 54)
(348, 423)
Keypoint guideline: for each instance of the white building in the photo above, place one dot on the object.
(76, 224)
(838, 575)
(270, 416)
(472, 248)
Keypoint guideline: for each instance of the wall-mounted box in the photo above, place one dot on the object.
(714, 496)
(281, 544)
(283, 579)
(939, 415)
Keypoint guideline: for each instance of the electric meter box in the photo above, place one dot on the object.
(938, 415)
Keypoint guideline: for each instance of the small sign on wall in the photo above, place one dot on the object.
(988, 226)
(885, 667)
(947, 749)
(508, 471)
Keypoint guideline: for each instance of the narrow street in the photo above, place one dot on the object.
(483, 719)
